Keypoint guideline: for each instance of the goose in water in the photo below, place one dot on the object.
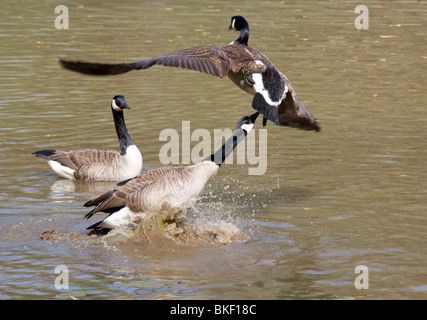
(181, 185)
(99, 164)
(248, 68)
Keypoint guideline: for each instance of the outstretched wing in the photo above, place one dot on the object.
(205, 59)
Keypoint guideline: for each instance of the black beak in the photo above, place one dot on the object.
(254, 116)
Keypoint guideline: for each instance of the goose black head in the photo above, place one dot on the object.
(238, 23)
(119, 103)
(247, 122)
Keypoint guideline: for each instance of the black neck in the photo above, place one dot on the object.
(222, 153)
(122, 133)
(244, 35)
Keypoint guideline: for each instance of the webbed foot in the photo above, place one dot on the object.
(248, 78)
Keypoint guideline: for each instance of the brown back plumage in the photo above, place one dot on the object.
(144, 191)
(116, 198)
(78, 158)
(85, 160)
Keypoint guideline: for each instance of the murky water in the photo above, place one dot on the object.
(353, 194)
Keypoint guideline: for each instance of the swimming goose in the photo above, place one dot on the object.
(249, 69)
(99, 164)
(180, 185)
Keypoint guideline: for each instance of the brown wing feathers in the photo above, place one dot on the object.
(205, 59)
(108, 202)
(97, 69)
(79, 158)
(133, 190)
(116, 198)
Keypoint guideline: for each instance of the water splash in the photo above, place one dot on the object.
(188, 225)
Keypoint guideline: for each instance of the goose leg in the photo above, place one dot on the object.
(264, 121)
(248, 78)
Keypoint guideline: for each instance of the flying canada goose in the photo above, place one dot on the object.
(249, 69)
(181, 185)
(99, 164)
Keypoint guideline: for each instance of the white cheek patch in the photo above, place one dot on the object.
(115, 106)
(232, 24)
(247, 127)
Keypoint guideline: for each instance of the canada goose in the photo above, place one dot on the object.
(249, 69)
(180, 184)
(99, 164)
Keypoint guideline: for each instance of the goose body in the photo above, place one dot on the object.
(99, 164)
(246, 67)
(179, 185)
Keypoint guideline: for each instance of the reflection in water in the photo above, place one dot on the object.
(60, 190)
(64, 190)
